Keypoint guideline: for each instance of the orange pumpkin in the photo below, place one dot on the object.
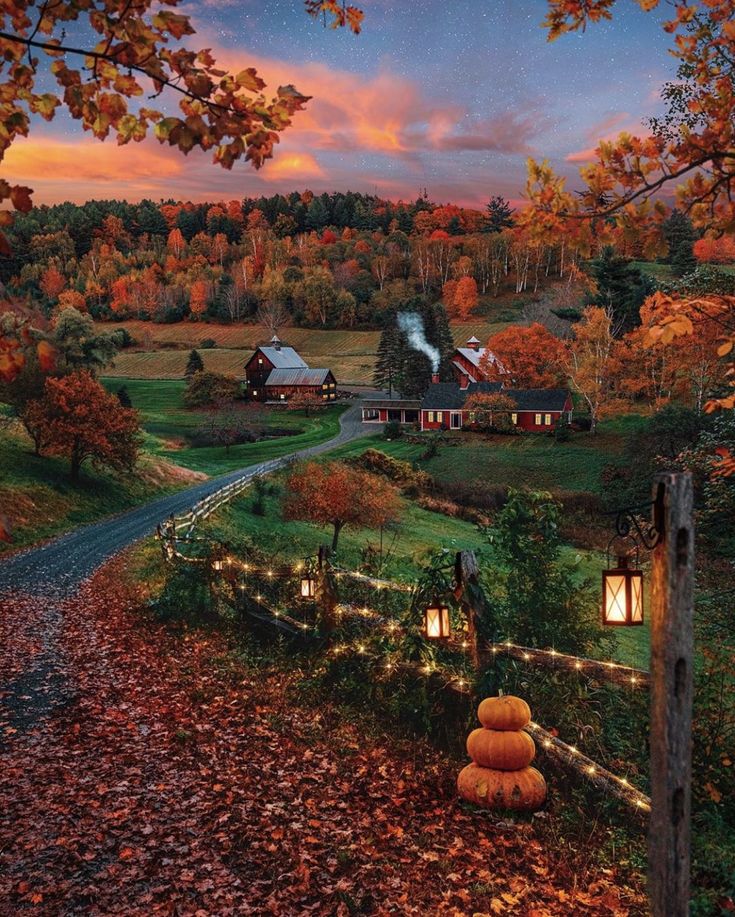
(493, 789)
(504, 713)
(501, 749)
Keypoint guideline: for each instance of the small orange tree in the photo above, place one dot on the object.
(336, 494)
(491, 410)
(78, 419)
(306, 402)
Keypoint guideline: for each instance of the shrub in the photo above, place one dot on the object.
(392, 430)
(208, 344)
(210, 388)
(562, 431)
(396, 470)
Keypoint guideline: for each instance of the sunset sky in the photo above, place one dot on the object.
(451, 96)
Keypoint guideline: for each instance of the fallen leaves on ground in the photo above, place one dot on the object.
(173, 780)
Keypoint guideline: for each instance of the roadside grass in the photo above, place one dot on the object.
(166, 421)
(39, 499)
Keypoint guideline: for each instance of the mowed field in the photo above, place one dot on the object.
(161, 351)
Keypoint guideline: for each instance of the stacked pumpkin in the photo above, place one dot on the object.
(499, 776)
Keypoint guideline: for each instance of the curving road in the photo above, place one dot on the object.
(64, 562)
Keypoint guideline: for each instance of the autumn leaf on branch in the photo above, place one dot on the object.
(228, 114)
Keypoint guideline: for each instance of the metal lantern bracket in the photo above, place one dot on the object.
(628, 523)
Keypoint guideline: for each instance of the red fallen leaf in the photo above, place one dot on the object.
(126, 853)
(5, 529)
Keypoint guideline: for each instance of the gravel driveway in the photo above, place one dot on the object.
(64, 562)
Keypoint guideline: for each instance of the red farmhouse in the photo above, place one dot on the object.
(277, 373)
(538, 409)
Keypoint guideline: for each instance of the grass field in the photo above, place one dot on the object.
(529, 460)
(166, 421)
(161, 351)
(39, 500)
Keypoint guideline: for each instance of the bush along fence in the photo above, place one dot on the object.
(407, 642)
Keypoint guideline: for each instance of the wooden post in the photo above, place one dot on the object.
(326, 592)
(474, 602)
(672, 582)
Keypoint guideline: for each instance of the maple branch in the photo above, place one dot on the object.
(648, 188)
(100, 55)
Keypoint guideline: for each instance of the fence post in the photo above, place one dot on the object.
(326, 592)
(474, 603)
(672, 598)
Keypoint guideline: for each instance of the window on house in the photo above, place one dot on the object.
(456, 421)
(514, 418)
(255, 393)
(439, 416)
(370, 414)
(537, 420)
(283, 397)
(431, 417)
(472, 416)
(547, 420)
(260, 361)
(325, 385)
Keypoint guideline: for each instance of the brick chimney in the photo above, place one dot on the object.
(434, 378)
(464, 381)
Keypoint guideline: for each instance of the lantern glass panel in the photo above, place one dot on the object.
(622, 595)
(437, 622)
(614, 596)
(307, 587)
(636, 611)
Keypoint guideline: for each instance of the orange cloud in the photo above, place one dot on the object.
(294, 166)
(44, 157)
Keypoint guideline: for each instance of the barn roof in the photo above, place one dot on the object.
(282, 357)
(297, 375)
(474, 356)
(447, 396)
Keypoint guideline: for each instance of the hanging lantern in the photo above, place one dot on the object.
(308, 586)
(622, 595)
(436, 621)
(218, 564)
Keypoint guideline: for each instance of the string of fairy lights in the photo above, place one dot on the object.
(390, 662)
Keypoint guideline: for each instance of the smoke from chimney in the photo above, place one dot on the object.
(412, 325)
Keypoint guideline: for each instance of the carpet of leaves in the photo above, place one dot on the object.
(173, 780)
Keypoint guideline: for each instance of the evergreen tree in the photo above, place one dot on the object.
(680, 236)
(123, 396)
(439, 335)
(387, 372)
(316, 216)
(499, 215)
(621, 288)
(195, 364)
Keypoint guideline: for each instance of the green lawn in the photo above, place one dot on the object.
(167, 421)
(527, 460)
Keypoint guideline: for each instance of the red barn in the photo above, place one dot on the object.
(538, 409)
(467, 360)
(276, 373)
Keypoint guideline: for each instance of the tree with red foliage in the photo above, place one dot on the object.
(120, 295)
(332, 493)
(52, 282)
(465, 298)
(198, 297)
(528, 357)
(78, 419)
(308, 402)
(715, 251)
(176, 242)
